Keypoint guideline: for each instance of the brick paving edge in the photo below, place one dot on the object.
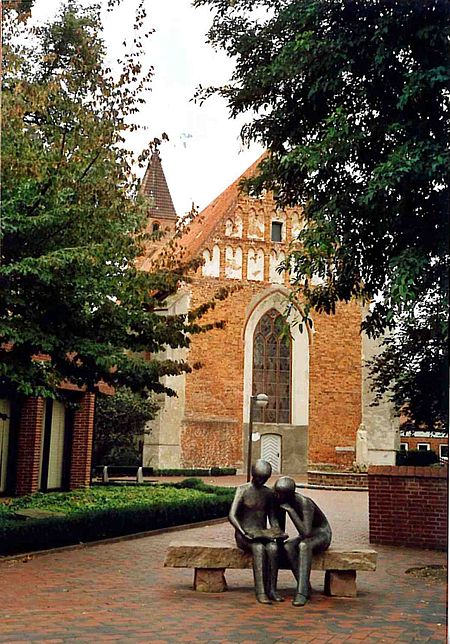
(124, 537)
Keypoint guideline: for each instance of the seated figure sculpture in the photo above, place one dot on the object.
(314, 533)
(252, 508)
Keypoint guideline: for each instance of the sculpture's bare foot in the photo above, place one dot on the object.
(299, 600)
(274, 596)
(263, 599)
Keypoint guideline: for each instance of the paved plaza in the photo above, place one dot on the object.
(120, 592)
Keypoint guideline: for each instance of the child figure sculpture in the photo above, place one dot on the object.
(314, 533)
(252, 508)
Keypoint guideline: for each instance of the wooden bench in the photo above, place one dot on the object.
(210, 559)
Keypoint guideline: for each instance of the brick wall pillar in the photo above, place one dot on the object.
(29, 445)
(408, 506)
(81, 448)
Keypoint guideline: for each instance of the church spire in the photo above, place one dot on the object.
(154, 187)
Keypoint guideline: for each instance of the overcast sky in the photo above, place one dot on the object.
(204, 154)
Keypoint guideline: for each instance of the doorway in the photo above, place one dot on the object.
(271, 451)
(53, 446)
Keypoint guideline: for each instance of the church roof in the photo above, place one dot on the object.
(154, 186)
(205, 223)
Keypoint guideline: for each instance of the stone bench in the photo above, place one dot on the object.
(110, 473)
(210, 559)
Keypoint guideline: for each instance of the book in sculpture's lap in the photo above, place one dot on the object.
(266, 534)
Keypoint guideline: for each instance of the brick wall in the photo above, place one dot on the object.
(211, 443)
(212, 431)
(408, 506)
(81, 448)
(216, 390)
(337, 479)
(335, 385)
(29, 446)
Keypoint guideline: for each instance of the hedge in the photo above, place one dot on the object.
(19, 536)
(131, 470)
(416, 458)
(212, 471)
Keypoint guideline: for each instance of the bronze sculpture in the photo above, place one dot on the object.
(252, 508)
(314, 533)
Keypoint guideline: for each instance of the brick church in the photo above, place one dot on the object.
(313, 379)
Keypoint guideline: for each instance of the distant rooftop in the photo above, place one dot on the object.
(222, 206)
(154, 186)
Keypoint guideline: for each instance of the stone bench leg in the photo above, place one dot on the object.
(210, 580)
(340, 583)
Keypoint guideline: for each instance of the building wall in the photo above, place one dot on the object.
(24, 470)
(163, 435)
(212, 425)
(294, 446)
(433, 441)
(213, 430)
(335, 386)
(337, 479)
(81, 446)
(207, 425)
(408, 506)
(29, 446)
(380, 423)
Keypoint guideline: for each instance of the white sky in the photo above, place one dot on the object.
(204, 154)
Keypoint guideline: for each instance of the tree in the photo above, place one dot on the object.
(119, 424)
(22, 7)
(350, 97)
(74, 306)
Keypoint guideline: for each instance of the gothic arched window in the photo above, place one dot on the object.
(272, 368)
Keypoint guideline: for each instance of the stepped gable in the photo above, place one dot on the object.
(154, 186)
(206, 222)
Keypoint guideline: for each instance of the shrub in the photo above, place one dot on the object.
(104, 513)
(198, 484)
(416, 457)
(119, 425)
(195, 471)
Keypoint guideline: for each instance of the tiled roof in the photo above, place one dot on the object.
(204, 224)
(154, 186)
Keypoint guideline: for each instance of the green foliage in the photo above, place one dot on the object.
(74, 306)
(95, 498)
(103, 512)
(350, 97)
(416, 355)
(223, 471)
(119, 423)
(416, 458)
(21, 7)
(198, 484)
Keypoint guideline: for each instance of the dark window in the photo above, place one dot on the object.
(403, 447)
(155, 227)
(443, 451)
(272, 369)
(423, 447)
(276, 231)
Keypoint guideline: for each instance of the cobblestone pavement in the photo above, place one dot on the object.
(120, 592)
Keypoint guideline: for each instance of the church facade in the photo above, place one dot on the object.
(312, 376)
